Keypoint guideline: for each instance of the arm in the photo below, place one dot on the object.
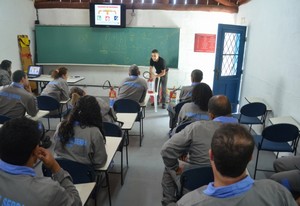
(98, 153)
(31, 105)
(65, 92)
(163, 73)
(152, 73)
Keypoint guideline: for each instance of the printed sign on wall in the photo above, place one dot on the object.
(205, 43)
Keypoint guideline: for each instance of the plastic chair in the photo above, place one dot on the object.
(131, 106)
(114, 130)
(50, 104)
(252, 113)
(174, 118)
(154, 94)
(3, 119)
(193, 178)
(277, 138)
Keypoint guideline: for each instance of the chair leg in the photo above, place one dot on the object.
(108, 186)
(255, 168)
(122, 178)
(48, 124)
(140, 132)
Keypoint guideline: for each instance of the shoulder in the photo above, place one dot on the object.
(194, 197)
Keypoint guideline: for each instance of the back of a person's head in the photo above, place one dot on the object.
(77, 90)
(201, 94)
(18, 138)
(197, 75)
(5, 64)
(219, 105)
(232, 147)
(134, 70)
(59, 72)
(18, 75)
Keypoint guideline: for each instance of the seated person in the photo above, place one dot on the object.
(133, 87)
(288, 174)
(20, 150)
(80, 138)
(108, 113)
(58, 88)
(197, 109)
(194, 138)
(17, 99)
(5, 72)
(231, 150)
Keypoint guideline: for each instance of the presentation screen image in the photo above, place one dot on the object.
(108, 15)
(34, 70)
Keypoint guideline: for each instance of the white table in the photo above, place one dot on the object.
(285, 119)
(39, 115)
(258, 99)
(85, 190)
(128, 119)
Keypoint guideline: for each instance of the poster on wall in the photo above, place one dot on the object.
(205, 43)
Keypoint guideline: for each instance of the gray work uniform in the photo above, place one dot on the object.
(24, 188)
(262, 192)
(288, 173)
(134, 88)
(186, 93)
(191, 112)
(108, 114)
(86, 147)
(15, 101)
(4, 78)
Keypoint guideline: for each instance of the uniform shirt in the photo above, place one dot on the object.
(58, 89)
(16, 101)
(86, 147)
(261, 192)
(159, 65)
(20, 186)
(4, 77)
(134, 88)
(186, 92)
(108, 114)
(191, 112)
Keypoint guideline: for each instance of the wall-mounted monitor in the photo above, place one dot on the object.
(107, 15)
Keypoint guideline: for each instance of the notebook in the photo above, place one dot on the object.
(34, 71)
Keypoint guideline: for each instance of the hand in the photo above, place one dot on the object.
(28, 88)
(46, 157)
(179, 170)
(183, 157)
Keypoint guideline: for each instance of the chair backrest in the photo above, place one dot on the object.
(254, 109)
(112, 129)
(182, 126)
(193, 178)
(80, 173)
(47, 103)
(281, 133)
(3, 119)
(178, 106)
(126, 106)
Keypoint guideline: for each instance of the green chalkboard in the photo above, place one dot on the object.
(86, 45)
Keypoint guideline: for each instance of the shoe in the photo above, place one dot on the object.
(163, 106)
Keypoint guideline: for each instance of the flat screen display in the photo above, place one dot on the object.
(34, 71)
(107, 15)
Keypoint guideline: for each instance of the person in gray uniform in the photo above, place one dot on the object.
(58, 87)
(197, 109)
(5, 72)
(196, 139)
(108, 113)
(19, 151)
(80, 138)
(186, 91)
(288, 174)
(16, 99)
(231, 150)
(133, 87)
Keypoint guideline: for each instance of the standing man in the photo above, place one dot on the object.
(160, 71)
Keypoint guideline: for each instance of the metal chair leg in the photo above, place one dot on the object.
(255, 168)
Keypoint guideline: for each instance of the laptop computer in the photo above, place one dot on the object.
(34, 71)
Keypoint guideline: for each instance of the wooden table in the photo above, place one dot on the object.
(85, 190)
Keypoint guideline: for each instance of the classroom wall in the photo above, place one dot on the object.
(272, 66)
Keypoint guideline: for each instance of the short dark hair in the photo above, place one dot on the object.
(18, 75)
(5, 64)
(134, 70)
(18, 138)
(232, 146)
(197, 75)
(201, 94)
(155, 51)
(219, 105)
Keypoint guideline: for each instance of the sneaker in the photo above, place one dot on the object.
(163, 106)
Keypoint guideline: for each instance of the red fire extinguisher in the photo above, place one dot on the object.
(151, 85)
(173, 95)
(112, 96)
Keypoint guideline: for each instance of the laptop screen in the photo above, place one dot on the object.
(34, 71)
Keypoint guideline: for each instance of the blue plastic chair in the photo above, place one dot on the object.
(131, 106)
(276, 138)
(3, 119)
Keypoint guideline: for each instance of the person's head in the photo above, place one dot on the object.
(196, 75)
(78, 91)
(231, 150)
(86, 112)
(19, 76)
(200, 95)
(60, 72)
(6, 65)
(219, 105)
(134, 70)
(155, 55)
(19, 139)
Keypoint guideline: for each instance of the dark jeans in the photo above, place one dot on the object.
(163, 85)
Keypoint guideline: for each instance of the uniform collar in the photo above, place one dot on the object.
(16, 169)
(15, 84)
(225, 119)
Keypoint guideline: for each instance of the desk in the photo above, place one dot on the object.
(285, 119)
(258, 99)
(39, 115)
(128, 119)
(85, 190)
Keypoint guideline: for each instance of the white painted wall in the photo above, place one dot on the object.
(272, 62)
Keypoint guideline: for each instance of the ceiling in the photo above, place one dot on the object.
(228, 6)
